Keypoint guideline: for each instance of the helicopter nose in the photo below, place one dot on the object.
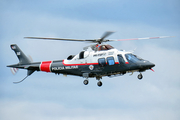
(150, 65)
(147, 65)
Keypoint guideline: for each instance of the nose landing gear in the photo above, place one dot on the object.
(140, 76)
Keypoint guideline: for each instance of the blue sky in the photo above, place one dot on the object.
(47, 96)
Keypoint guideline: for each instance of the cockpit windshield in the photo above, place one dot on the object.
(132, 58)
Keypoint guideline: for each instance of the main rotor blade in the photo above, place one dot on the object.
(142, 38)
(59, 39)
(106, 34)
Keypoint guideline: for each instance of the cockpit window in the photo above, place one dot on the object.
(132, 58)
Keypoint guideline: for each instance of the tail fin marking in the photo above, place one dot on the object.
(23, 59)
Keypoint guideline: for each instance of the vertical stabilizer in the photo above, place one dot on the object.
(23, 59)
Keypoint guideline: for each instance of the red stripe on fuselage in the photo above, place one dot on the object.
(45, 66)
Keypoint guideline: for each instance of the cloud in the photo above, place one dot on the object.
(47, 111)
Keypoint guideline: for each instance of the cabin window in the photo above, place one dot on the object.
(110, 61)
(120, 58)
(81, 55)
(102, 62)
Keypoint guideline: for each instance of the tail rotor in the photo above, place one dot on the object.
(24, 62)
(14, 70)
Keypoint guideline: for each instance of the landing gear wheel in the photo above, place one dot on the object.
(85, 82)
(99, 83)
(140, 76)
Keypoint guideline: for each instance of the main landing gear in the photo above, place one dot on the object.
(85, 82)
(140, 76)
(99, 83)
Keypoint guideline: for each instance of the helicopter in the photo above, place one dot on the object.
(94, 61)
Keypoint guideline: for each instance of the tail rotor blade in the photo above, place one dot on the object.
(30, 58)
(14, 70)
